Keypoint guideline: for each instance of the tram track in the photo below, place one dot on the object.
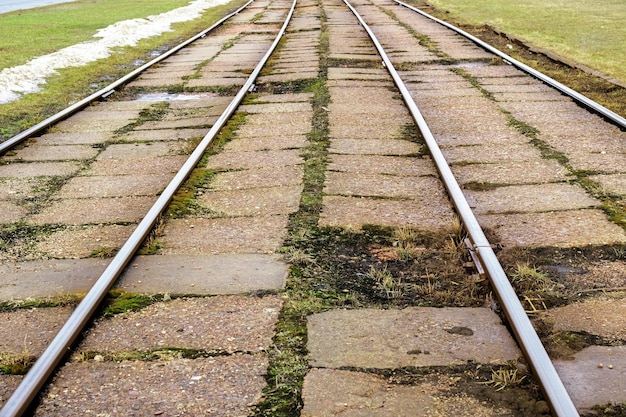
(220, 201)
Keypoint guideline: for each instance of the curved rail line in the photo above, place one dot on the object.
(585, 101)
(34, 380)
(552, 386)
(110, 89)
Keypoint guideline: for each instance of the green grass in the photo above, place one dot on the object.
(587, 32)
(62, 25)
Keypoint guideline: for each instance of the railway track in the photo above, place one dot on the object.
(325, 163)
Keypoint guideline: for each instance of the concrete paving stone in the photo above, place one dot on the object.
(304, 74)
(598, 316)
(226, 386)
(8, 384)
(530, 198)
(356, 56)
(380, 185)
(19, 188)
(428, 92)
(529, 172)
(114, 186)
(361, 84)
(215, 82)
(329, 392)
(598, 162)
(11, 212)
(497, 71)
(203, 101)
(39, 169)
(203, 274)
(389, 147)
(594, 276)
(504, 137)
(50, 278)
(141, 150)
(335, 73)
(414, 336)
(532, 112)
(84, 241)
(615, 183)
(187, 123)
(38, 153)
(148, 165)
(86, 138)
(565, 229)
(116, 106)
(355, 212)
(254, 159)
(29, 331)
(283, 98)
(183, 112)
(229, 323)
(287, 107)
(161, 135)
(154, 82)
(276, 130)
(381, 164)
(296, 119)
(226, 235)
(538, 97)
(491, 153)
(519, 88)
(265, 143)
(582, 142)
(590, 384)
(264, 201)
(97, 121)
(94, 210)
(260, 177)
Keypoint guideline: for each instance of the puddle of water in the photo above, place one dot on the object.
(171, 97)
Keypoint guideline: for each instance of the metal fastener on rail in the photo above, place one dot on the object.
(552, 386)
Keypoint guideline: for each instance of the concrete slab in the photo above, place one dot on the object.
(615, 183)
(226, 386)
(381, 164)
(227, 235)
(263, 201)
(567, 229)
(18, 188)
(491, 153)
(50, 278)
(434, 214)
(530, 198)
(254, 159)
(525, 172)
(29, 331)
(415, 336)
(114, 186)
(204, 274)
(77, 242)
(94, 210)
(601, 317)
(11, 212)
(595, 376)
(137, 166)
(381, 185)
(329, 392)
(390, 147)
(599, 162)
(161, 135)
(87, 138)
(141, 150)
(54, 153)
(265, 143)
(261, 177)
(224, 323)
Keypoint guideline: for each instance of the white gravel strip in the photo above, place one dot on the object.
(28, 78)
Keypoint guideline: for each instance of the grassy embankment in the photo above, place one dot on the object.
(27, 34)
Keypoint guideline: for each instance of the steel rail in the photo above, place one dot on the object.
(556, 395)
(43, 368)
(585, 101)
(109, 89)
